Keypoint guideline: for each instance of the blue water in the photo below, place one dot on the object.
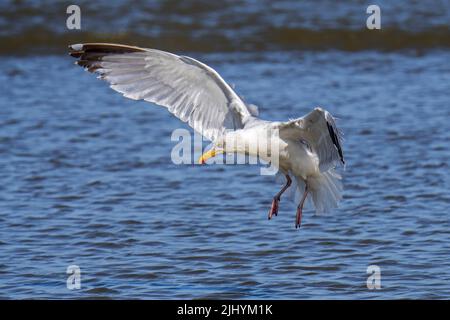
(87, 180)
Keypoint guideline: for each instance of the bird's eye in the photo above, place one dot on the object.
(305, 143)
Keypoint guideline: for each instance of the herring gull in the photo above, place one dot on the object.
(308, 148)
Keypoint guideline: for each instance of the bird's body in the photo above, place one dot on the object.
(307, 149)
(288, 148)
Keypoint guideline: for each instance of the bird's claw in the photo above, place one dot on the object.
(274, 208)
(298, 218)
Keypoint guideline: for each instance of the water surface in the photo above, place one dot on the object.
(87, 179)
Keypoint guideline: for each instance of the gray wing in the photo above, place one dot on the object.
(319, 130)
(189, 89)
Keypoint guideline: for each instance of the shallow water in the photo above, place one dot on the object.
(87, 180)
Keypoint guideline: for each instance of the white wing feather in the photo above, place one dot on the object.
(191, 90)
(319, 130)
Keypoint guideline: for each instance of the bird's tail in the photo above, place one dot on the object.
(324, 190)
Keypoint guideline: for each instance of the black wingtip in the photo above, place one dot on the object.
(335, 138)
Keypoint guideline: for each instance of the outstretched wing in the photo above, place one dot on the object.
(189, 89)
(319, 130)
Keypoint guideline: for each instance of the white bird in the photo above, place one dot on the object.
(309, 147)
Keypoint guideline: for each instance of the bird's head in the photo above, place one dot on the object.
(218, 148)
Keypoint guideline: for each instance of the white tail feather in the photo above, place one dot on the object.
(324, 190)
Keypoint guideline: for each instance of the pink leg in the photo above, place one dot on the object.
(298, 220)
(274, 208)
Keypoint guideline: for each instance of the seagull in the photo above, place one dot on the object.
(309, 148)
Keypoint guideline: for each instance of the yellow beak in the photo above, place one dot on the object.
(209, 154)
